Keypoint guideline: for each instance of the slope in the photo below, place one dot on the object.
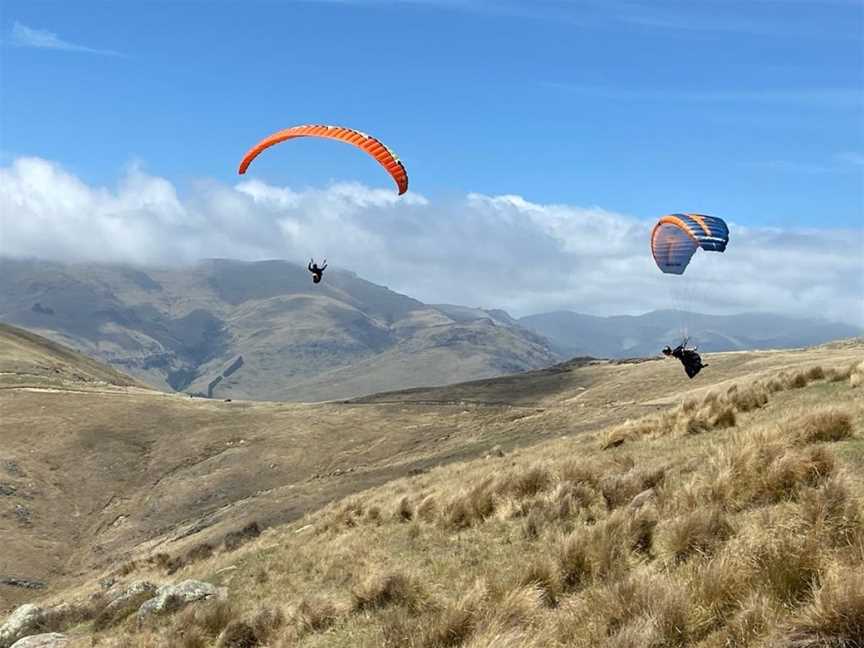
(259, 330)
(95, 473)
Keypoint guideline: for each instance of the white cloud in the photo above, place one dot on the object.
(23, 36)
(491, 251)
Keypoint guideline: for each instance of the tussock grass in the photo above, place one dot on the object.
(732, 519)
(457, 622)
(201, 551)
(545, 576)
(314, 614)
(698, 532)
(834, 513)
(381, 590)
(856, 375)
(404, 510)
(235, 539)
(211, 618)
(239, 634)
(834, 617)
(715, 411)
(825, 425)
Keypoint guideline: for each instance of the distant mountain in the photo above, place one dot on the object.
(262, 330)
(574, 334)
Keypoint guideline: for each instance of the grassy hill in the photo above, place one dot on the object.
(259, 330)
(499, 512)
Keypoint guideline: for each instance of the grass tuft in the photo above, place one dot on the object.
(825, 425)
(382, 590)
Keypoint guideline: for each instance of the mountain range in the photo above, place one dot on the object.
(263, 331)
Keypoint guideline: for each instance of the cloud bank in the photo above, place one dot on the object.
(490, 251)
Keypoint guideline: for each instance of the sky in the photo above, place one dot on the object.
(542, 139)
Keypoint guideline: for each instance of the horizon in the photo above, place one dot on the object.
(120, 142)
(485, 308)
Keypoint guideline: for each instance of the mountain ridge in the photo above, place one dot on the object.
(178, 329)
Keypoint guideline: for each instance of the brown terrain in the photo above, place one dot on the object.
(96, 468)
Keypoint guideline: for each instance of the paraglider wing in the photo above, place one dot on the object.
(372, 146)
(676, 237)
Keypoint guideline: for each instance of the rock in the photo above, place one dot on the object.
(26, 583)
(24, 621)
(170, 598)
(23, 514)
(119, 596)
(48, 640)
(642, 498)
(11, 467)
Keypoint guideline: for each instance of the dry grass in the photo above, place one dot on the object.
(825, 425)
(732, 519)
(835, 616)
(698, 532)
(856, 375)
(382, 590)
(715, 411)
(235, 539)
(314, 614)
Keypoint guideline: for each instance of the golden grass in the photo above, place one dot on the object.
(727, 521)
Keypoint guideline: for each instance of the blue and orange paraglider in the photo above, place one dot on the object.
(674, 240)
(676, 237)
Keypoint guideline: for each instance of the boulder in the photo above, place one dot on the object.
(170, 598)
(25, 620)
(119, 596)
(47, 640)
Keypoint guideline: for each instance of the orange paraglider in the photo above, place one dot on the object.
(372, 146)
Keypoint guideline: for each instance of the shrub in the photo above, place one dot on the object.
(235, 539)
(199, 552)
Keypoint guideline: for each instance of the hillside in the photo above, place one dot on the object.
(145, 472)
(627, 336)
(29, 358)
(261, 330)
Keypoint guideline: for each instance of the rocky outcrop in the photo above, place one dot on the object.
(170, 598)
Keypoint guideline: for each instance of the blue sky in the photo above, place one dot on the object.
(751, 110)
